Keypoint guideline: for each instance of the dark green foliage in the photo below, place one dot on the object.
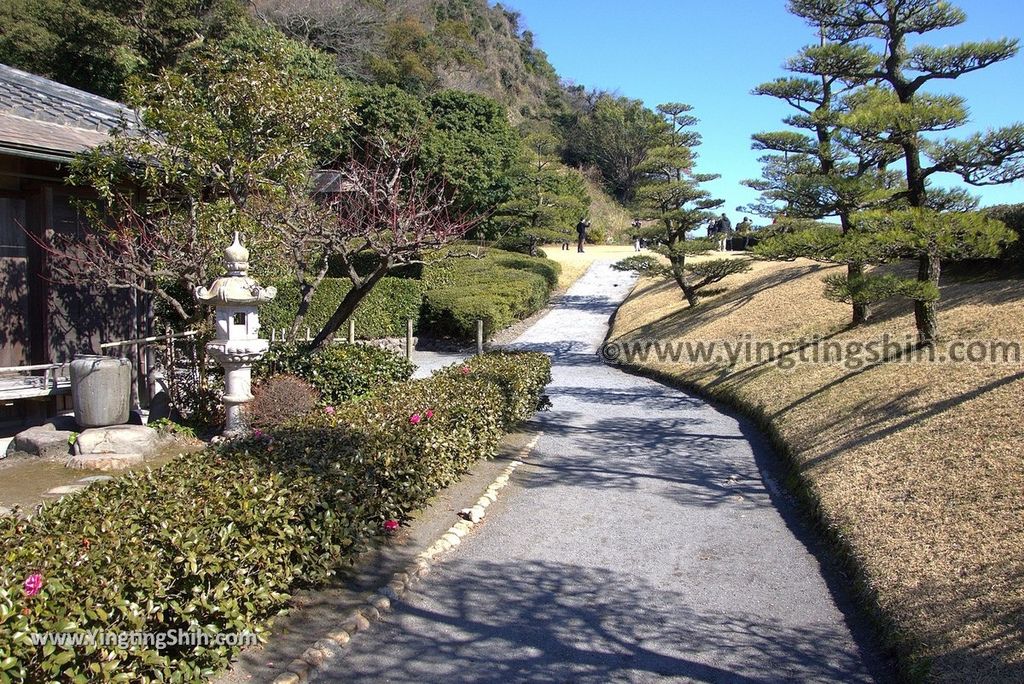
(700, 274)
(217, 541)
(642, 264)
(463, 138)
(1012, 215)
(472, 146)
(711, 271)
(499, 289)
(97, 45)
(871, 289)
(339, 372)
(383, 313)
(518, 243)
(547, 198)
(616, 135)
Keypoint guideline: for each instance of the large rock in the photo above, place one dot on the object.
(113, 448)
(43, 440)
(116, 439)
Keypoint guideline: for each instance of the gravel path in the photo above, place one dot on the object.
(644, 540)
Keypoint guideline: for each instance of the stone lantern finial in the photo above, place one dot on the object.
(236, 258)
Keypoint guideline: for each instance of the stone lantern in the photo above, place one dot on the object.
(236, 297)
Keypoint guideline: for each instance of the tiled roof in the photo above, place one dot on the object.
(38, 114)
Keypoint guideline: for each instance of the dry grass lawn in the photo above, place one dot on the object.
(917, 470)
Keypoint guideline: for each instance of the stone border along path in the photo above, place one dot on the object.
(644, 539)
(360, 619)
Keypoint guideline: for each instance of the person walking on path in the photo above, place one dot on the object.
(581, 231)
(636, 235)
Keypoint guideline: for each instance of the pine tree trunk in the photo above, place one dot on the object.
(926, 312)
(861, 312)
(679, 275)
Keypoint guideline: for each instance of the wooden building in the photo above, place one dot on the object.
(43, 124)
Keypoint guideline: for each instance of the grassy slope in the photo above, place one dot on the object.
(917, 470)
(606, 215)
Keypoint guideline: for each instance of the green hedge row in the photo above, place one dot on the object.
(499, 289)
(383, 313)
(1013, 216)
(216, 542)
(339, 372)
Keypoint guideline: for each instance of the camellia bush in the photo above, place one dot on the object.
(215, 543)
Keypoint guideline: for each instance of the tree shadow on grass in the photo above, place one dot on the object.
(679, 322)
(861, 436)
(556, 622)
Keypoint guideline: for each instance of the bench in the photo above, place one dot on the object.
(15, 385)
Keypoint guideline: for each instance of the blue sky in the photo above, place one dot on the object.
(711, 54)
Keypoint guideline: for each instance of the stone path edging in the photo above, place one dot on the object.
(359, 619)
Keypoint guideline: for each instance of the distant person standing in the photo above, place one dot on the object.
(723, 227)
(636, 235)
(581, 231)
(743, 229)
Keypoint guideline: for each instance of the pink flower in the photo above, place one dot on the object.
(258, 434)
(390, 525)
(465, 370)
(329, 410)
(415, 419)
(428, 414)
(33, 583)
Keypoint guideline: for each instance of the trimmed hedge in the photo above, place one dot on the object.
(339, 372)
(499, 289)
(1013, 216)
(216, 542)
(383, 313)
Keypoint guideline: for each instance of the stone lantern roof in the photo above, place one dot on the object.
(236, 288)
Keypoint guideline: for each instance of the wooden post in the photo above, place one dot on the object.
(479, 336)
(408, 340)
(169, 375)
(351, 331)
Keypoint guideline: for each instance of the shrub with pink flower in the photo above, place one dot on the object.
(390, 526)
(33, 583)
(428, 414)
(329, 410)
(465, 370)
(415, 419)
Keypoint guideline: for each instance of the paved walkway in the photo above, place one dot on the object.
(638, 543)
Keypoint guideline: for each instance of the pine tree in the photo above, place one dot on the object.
(670, 195)
(895, 110)
(819, 171)
(548, 198)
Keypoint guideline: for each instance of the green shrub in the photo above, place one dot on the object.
(383, 313)
(644, 264)
(338, 372)
(500, 288)
(520, 244)
(1013, 216)
(216, 542)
